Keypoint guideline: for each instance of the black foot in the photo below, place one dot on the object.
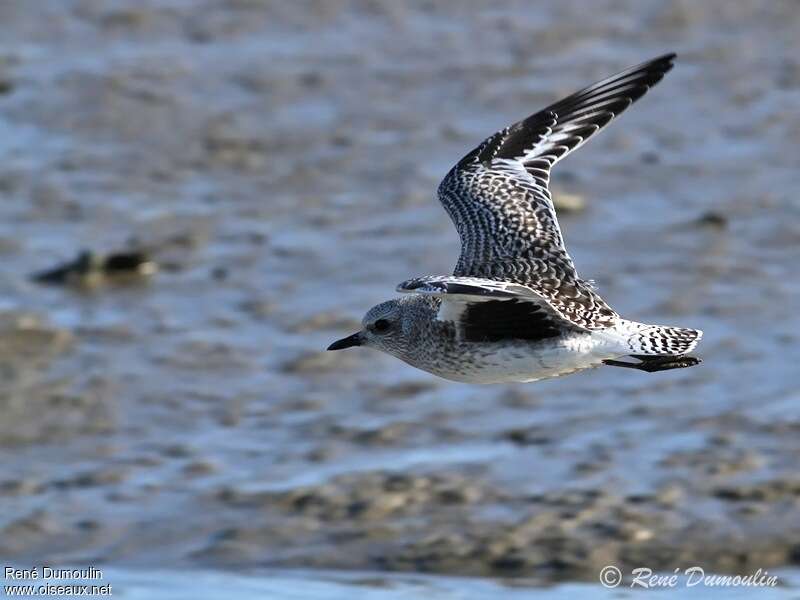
(653, 364)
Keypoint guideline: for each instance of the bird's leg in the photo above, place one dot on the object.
(653, 364)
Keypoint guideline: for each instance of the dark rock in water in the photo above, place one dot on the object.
(90, 269)
(61, 274)
(128, 262)
(528, 436)
(219, 273)
(712, 219)
(650, 158)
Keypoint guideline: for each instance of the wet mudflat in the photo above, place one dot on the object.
(279, 160)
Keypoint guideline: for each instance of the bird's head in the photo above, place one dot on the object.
(382, 328)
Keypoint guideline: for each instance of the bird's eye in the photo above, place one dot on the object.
(382, 325)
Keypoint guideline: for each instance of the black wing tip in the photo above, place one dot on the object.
(522, 136)
(668, 57)
(663, 63)
(655, 68)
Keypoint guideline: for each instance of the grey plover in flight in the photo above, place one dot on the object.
(515, 308)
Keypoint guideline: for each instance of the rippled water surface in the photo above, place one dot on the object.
(280, 161)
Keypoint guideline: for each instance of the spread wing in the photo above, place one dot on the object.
(499, 199)
(486, 310)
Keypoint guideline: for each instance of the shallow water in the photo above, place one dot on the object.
(281, 161)
(299, 584)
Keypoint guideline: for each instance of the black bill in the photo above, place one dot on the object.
(348, 342)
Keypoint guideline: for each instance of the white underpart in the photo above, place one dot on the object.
(505, 362)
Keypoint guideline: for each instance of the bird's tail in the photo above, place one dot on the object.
(655, 340)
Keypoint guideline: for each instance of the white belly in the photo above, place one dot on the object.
(518, 361)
